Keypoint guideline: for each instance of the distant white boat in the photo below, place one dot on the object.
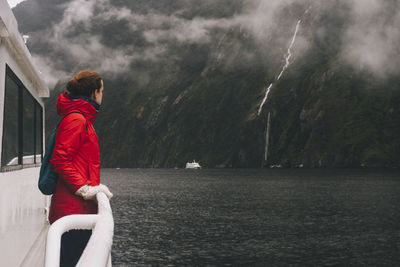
(193, 165)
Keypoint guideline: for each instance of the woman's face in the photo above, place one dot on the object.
(98, 94)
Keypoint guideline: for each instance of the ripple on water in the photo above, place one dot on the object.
(254, 217)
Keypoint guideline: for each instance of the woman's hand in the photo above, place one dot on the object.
(90, 192)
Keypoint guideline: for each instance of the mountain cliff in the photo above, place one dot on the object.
(187, 79)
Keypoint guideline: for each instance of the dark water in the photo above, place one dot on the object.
(255, 217)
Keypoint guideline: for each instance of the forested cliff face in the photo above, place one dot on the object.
(189, 79)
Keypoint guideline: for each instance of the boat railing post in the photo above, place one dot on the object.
(98, 250)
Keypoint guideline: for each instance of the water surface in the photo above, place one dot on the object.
(255, 217)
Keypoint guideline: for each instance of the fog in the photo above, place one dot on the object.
(369, 41)
(372, 39)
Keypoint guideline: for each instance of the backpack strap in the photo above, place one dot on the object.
(71, 113)
(47, 177)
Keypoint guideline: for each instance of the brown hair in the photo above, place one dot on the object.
(84, 83)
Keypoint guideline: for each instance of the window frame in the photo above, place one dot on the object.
(38, 108)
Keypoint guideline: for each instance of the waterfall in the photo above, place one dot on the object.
(289, 52)
(265, 98)
(267, 137)
(287, 57)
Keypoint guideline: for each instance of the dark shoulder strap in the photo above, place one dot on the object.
(71, 113)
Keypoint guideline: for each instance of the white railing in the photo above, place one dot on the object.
(98, 250)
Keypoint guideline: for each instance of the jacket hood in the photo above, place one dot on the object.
(66, 104)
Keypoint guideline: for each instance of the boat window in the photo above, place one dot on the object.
(10, 124)
(28, 113)
(38, 133)
(22, 126)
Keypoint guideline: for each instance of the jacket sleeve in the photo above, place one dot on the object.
(69, 137)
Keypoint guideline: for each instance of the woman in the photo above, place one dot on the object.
(76, 159)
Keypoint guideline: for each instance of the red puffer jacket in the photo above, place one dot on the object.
(76, 158)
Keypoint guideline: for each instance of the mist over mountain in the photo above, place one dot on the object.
(189, 79)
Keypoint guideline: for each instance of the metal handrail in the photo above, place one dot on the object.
(98, 250)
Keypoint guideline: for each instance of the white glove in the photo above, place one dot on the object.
(90, 192)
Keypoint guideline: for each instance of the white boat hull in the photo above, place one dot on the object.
(193, 165)
(22, 214)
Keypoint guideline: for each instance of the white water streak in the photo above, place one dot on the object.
(308, 9)
(265, 98)
(289, 52)
(267, 138)
(287, 62)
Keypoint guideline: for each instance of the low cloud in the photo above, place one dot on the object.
(372, 39)
(369, 41)
(51, 74)
(196, 30)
